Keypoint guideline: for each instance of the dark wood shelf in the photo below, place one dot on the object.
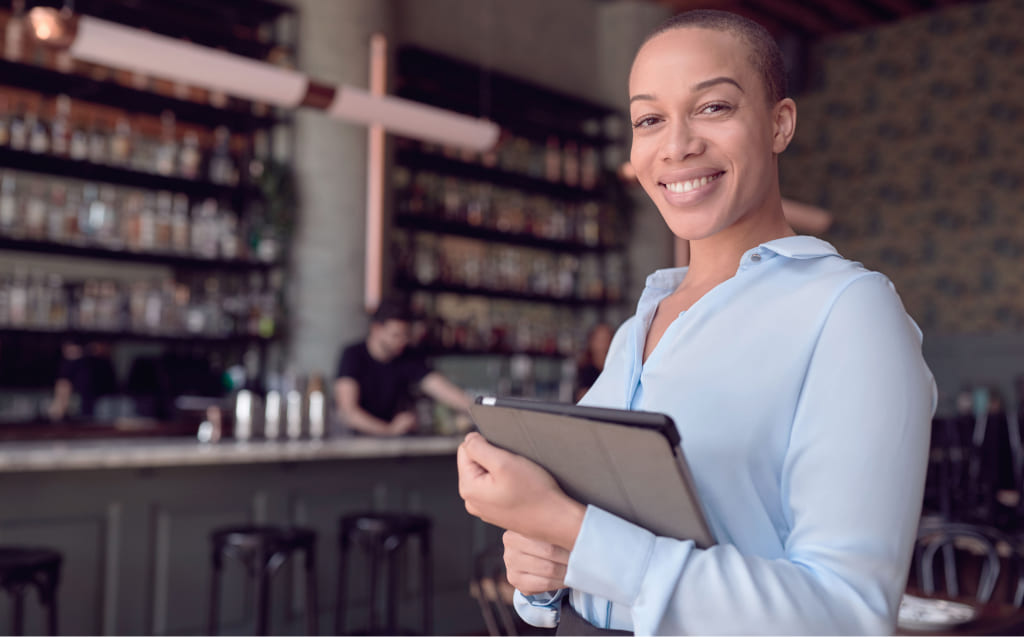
(441, 226)
(79, 169)
(79, 87)
(144, 337)
(437, 351)
(419, 160)
(518, 105)
(173, 260)
(409, 284)
(231, 25)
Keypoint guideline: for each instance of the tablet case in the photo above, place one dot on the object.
(626, 462)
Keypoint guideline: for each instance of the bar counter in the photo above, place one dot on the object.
(180, 452)
(133, 518)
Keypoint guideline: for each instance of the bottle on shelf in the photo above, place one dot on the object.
(165, 160)
(60, 127)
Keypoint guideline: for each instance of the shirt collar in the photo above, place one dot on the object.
(800, 247)
(796, 247)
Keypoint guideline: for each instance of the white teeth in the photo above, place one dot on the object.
(687, 186)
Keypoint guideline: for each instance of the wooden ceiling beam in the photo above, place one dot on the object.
(799, 15)
(898, 9)
(854, 14)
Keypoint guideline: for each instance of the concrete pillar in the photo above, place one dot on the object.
(325, 302)
(621, 29)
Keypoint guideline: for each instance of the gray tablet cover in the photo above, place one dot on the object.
(634, 471)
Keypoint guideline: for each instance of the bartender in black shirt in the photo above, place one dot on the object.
(377, 377)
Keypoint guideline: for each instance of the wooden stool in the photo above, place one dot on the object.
(21, 567)
(381, 536)
(263, 549)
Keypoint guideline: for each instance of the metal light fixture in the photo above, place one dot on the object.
(110, 44)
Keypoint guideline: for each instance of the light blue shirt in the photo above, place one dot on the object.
(805, 408)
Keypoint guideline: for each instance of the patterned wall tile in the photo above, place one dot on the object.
(914, 141)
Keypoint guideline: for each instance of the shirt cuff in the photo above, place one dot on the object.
(542, 610)
(615, 575)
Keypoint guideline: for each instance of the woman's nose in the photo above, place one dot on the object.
(681, 141)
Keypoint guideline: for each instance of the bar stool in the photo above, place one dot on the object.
(263, 549)
(21, 567)
(381, 536)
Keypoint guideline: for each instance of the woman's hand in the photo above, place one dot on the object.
(514, 493)
(533, 566)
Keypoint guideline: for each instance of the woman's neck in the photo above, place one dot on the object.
(714, 259)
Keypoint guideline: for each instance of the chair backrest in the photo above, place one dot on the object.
(492, 591)
(964, 549)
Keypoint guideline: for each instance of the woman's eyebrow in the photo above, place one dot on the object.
(700, 86)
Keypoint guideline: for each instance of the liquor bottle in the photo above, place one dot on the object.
(147, 223)
(38, 136)
(14, 37)
(164, 222)
(167, 150)
(589, 167)
(79, 145)
(60, 128)
(121, 142)
(570, 164)
(222, 167)
(553, 160)
(99, 143)
(8, 203)
(190, 158)
(179, 224)
(35, 211)
(55, 225)
(18, 130)
(5, 120)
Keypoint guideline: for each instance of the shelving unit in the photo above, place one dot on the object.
(224, 258)
(520, 250)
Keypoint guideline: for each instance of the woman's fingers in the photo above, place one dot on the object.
(533, 566)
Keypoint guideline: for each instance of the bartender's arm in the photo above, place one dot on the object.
(346, 395)
(438, 387)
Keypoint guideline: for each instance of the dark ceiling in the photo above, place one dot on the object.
(814, 19)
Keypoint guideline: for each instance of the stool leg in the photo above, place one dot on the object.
(427, 583)
(339, 606)
(392, 588)
(46, 587)
(374, 559)
(312, 609)
(18, 613)
(212, 619)
(263, 599)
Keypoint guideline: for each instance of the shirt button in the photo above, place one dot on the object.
(755, 257)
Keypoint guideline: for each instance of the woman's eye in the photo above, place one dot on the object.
(645, 122)
(715, 107)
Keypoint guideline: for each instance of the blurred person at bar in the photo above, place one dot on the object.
(599, 339)
(378, 378)
(85, 371)
(795, 378)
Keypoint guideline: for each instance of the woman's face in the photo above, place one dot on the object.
(704, 136)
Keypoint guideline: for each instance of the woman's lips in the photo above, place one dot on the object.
(689, 185)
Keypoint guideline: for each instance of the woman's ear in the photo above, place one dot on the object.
(783, 124)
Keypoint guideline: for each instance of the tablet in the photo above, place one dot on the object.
(629, 463)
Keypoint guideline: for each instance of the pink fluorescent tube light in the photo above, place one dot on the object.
(110, 44)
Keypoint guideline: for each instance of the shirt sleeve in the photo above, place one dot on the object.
(852, 482)
(348, 362)
(541, 610)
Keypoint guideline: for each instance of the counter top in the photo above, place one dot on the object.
(174, 452)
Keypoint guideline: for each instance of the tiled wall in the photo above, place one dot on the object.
(914, 138)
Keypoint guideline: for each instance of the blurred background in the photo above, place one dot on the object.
(165, 246)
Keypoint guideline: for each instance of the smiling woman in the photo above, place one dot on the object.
(787, 369)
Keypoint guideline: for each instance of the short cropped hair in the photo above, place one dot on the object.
(765, 55)
(392, 310)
